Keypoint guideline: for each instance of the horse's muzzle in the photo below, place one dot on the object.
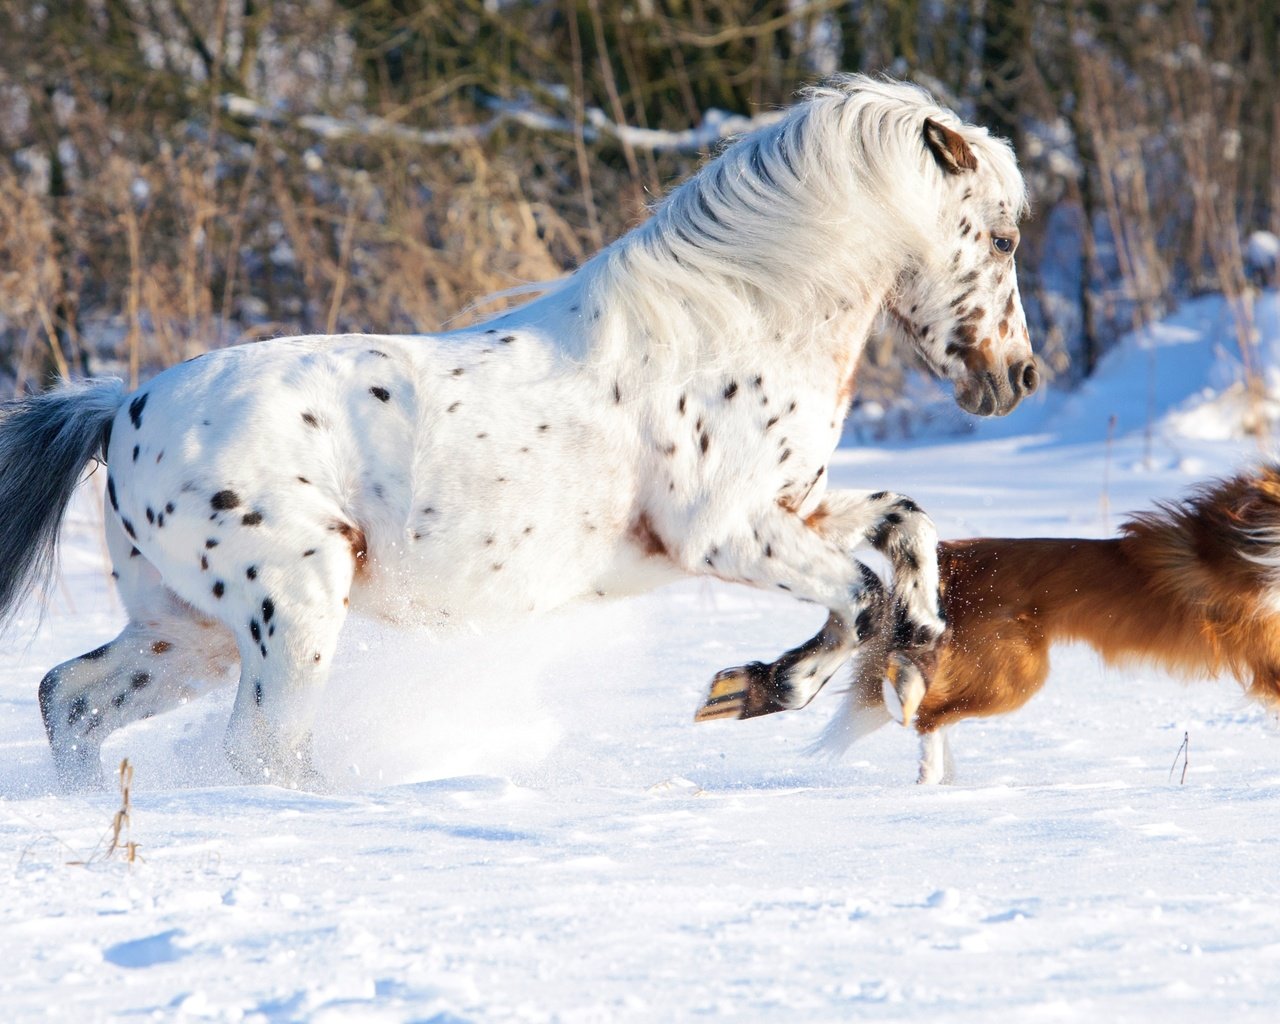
(987, 394)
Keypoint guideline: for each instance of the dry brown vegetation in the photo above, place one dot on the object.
(165, 185)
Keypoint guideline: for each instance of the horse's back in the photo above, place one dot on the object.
(466, 472)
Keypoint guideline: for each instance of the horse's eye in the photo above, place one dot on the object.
(1003, 244)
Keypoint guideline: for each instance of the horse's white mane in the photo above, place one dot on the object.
(824, 205)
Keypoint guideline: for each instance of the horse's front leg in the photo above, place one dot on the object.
(812, 558)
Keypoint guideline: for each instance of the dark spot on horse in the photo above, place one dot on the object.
(169, 507)
(893, 517)
(731, 390)
(680, 405)
(647, 538)
(134, 552)
(308, 553)
(907, 505)
(303, 480)
(507, 339)
(772, 423)
(783, 586)
(137, 449)
(669, 450)
(379, 353)
(355, 538)
(496, 566)
(481, 436)
(263, 649)
(457, 371)
(543, 427)
(95, 654)
(251, 518)
(791, 407)
(429, 511)
(224, 500)
(204, 563)
(528, 530)
(488, 540)
(111, 494)
(698, 424)
(757, 381)
(135, 410)
(768, 551)
(119, 699)
(212, 542)
(219, 588)
(454, 407)
(141, 679)
(257, 693)
(617, 393)
(251, 572)
(864, 624)
(151, 516)
(268, 609)
(381, 394)
(878, 496)
(786, 454)
(310, 420)
(703, 442)
(255, 631)
(128, 528)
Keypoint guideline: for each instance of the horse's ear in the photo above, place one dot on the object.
(949, 148)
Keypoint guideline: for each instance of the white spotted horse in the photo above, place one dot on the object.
(667, 410)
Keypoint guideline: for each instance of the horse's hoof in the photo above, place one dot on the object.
(747, 691)
(727, 697)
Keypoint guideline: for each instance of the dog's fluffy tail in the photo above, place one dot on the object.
(45, 443)
(1219, 551)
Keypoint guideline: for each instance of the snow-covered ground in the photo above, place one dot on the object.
(528, 826)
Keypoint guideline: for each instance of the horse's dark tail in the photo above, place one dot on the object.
(45, 442)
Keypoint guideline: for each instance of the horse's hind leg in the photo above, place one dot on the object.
(287, 631)
(152, 666)
(148, 669)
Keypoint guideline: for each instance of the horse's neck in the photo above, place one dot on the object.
(706, 333)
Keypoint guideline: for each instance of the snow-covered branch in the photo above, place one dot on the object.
(716, 125)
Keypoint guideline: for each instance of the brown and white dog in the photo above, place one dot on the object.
(1192, 587)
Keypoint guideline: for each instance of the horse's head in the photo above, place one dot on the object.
(958, 306)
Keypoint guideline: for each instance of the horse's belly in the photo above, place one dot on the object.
(499, 576)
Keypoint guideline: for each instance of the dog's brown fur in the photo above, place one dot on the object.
(1193, 587)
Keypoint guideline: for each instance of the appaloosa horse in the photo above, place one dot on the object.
(667, 410)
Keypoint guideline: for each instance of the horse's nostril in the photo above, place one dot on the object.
(1030, 378)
